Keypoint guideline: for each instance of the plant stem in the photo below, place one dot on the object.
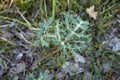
(21, 22)
(53, 10)
(45, 8)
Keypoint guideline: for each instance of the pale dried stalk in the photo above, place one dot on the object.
(10, 42)
(21, 35)
(24, 17)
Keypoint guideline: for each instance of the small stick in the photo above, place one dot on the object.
(10, 42)
(23, 17)
(6, 25)
(35, 29)
(21, 35)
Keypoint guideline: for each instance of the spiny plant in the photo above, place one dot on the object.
(69, 34)
(42, 76)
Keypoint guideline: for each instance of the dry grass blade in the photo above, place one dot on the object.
(48, 54)
(18, 21)
(23, 17)
(7, 3)
(10, 42)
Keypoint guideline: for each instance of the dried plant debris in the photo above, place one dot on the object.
(17, 68)
(91, 12)
(75, 67)
(79, 58)
(106, 67)
(72, 68)
(61, 75)
(7, 3)
(112, 38)
(114, 43)
(20, 55)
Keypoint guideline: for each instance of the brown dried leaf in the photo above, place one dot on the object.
(91, 12)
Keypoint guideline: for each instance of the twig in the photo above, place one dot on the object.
(10, 42)
(6, 25)
(18, 21)
(23, 17)
(35, 29)
(21, 35)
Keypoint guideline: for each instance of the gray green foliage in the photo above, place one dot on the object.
(42, 76)
(69, 34)
(30, 77)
